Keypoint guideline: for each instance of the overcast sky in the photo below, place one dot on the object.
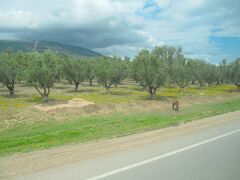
(208, 29)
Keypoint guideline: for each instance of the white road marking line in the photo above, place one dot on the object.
(161, 156)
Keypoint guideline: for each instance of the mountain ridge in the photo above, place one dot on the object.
(41, 45)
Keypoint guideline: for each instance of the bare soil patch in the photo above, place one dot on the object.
(74, 103)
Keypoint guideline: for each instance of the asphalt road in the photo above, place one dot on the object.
(209, 154)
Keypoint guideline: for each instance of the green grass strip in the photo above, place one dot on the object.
(26, 137)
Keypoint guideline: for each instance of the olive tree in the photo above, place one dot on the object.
(181, 73)
(10, 70)
(210, 74)
(121, 70)
(150, 71)
(169, 55)
(127, 65)
(223, 71)
(109, 72)
(133, 71)
(42, 72)
(235, 73)
(74, 70)
(90, 69)
(198, 71)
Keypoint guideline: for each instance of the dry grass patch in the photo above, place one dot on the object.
(74, 103)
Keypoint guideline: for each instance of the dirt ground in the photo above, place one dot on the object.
(21, 164)
(74, 103)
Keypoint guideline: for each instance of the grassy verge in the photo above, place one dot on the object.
(24, 137)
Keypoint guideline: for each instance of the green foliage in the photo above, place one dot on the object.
(10, 69)
(197, 68)
(120, 69)
(90, 69)
(222, 72)
(75, 70)
(150, 71)
(210, 73)
(181, 72)
(169, 55)
(109, 71)
(235, 73)
(42, 71)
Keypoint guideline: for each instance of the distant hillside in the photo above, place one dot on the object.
(44, 45)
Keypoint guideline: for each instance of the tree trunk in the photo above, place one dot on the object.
(11, 90)
(143, 86)
(108, 90)
(152, 92)
(45, 97)
(45, 94)
(182, 89)
(90, 82)
(181, 85)
(11, 93)
(76, 87)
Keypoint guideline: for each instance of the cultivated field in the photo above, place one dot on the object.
(90, 113)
